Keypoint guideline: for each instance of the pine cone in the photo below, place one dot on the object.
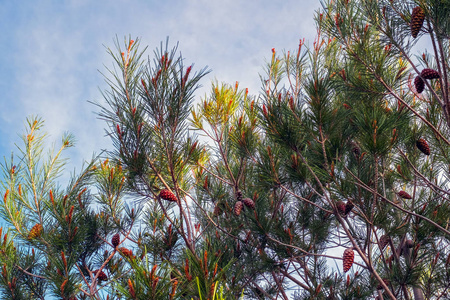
(167, 195)
(239, 195)
(409, 243)
(101, 276)
(35, 232)
(355, 149)
(348, 258)
(419, 84)
(404, 195)
(417, 17)
(115, 240)
(340, 205)
(238, 208)
(249, 203)
(429, 74)
(348, 207)
(217, 210)
(384, 240)
(422, 145)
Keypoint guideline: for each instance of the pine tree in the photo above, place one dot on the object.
(53, 242)
(397, 128)
(330, 184)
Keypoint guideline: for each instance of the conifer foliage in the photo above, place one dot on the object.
(332, 183)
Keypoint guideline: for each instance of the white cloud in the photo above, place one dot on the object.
(60, 48)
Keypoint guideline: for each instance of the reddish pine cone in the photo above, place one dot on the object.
(340, 205)
(429, 74)
(384, 240)
(238, 208)
(35, 232)
(348, 207)
(167, 195)
(101, 276)
(115, 240)
(409, 243)
(422, 145)
(419, 84)
(249, 203)
(404, 195)
(417, 17)
(348, 258)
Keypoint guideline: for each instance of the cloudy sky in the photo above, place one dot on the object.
(52, 52)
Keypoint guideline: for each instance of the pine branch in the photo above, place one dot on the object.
(367, 188)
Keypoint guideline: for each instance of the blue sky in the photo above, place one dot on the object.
(52, 52)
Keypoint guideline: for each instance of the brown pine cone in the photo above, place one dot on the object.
(217, 210)
(419, 84)
(348, 207)
(167, 195)
(384, 240)
(239, 195)
(348, 258)
(101, 276)
(429, 74)
(249, 203)
(238, 208)
(409, 243)
(340, 205)
(422, 145)
(115, 240)
(404, 195)
(417, 18)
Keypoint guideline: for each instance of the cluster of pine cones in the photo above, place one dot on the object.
(417, 18)
(239, 205)
(425, 74)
